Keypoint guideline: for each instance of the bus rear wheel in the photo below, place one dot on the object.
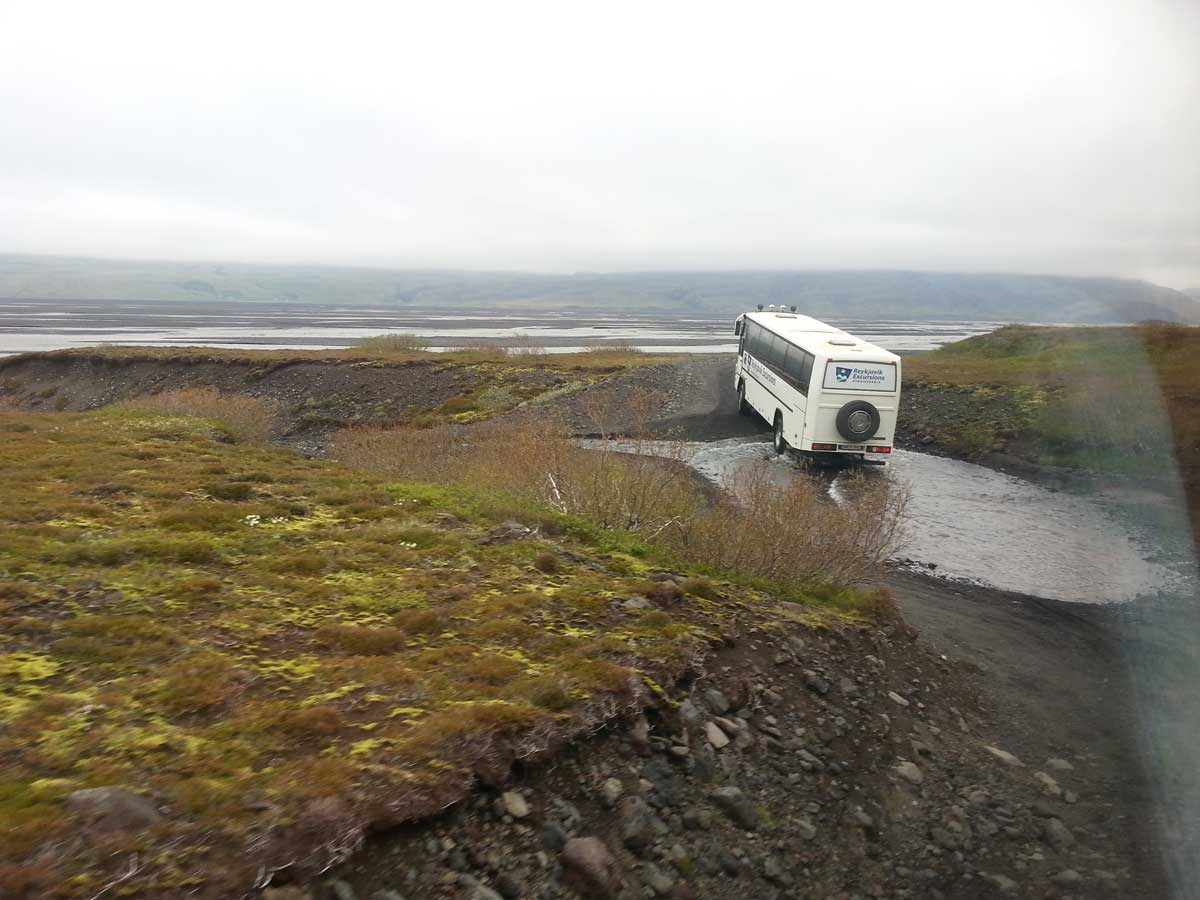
(743, 406)
(781, 444)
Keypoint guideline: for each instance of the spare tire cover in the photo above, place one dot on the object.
(858, 420)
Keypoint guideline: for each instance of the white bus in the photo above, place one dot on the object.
(830, 396)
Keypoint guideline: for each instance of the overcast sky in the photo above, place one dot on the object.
(1013, 135)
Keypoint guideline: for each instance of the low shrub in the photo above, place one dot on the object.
(247, 420)
(420, 621)
(313, 721)
(527, 346)
(700, 587)
(659, 591)
(197, 683)
(546, 562)
(361, 640)
(534, 461)
(392, 343)
(196, 516)
(615, 348)
(792, 534)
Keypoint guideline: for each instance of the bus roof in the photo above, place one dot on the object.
(819, 338)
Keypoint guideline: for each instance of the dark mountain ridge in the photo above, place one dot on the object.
(874, 294)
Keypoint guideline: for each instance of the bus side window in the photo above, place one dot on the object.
(755, 344)
(778, 350)
(793, 365)
(806, 372)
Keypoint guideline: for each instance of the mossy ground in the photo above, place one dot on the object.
(282, 651)
(1104, 399)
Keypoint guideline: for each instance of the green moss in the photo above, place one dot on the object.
(1110, 400)
(27, 667)
(316, 635)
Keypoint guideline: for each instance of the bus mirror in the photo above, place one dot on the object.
(737, 328)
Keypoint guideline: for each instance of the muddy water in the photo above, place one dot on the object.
(985, 526)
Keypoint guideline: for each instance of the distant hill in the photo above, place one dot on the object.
(841, 294)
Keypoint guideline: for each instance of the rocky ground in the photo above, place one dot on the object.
(800, 763)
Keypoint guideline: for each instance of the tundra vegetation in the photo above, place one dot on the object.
(787, 533)
(279, 653)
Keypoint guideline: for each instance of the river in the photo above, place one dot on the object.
(973, 523)
(32, 325)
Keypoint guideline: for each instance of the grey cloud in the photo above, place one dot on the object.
(1020, 136)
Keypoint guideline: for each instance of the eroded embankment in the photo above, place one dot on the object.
(315, 393)
(795, 762)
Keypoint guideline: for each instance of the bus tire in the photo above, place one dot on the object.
(743, 406)
(858, 421)
(780, 442)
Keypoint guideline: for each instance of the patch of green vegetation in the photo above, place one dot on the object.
(1109, 400)
(207, 621)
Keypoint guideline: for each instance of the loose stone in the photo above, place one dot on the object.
(1004, 756)
(715, 735)
(734, 803)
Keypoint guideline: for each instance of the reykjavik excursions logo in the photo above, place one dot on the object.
(841, 374)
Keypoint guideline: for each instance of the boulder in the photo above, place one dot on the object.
(114, 808)
(734, 803)
(590, 868)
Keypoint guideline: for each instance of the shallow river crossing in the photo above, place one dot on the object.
(984, 526)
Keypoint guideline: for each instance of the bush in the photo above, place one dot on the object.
(614, 486)
(231, 491)
(614, 347)
(791, 534)
(659, 591)
(362, 641)
(420, 621)
(700, 587)
(525, 345)
(314, 721)
(392, 343)
(546, 562)
(247, 420)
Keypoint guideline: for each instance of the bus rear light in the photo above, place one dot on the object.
(879, 449)
(824, 446)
